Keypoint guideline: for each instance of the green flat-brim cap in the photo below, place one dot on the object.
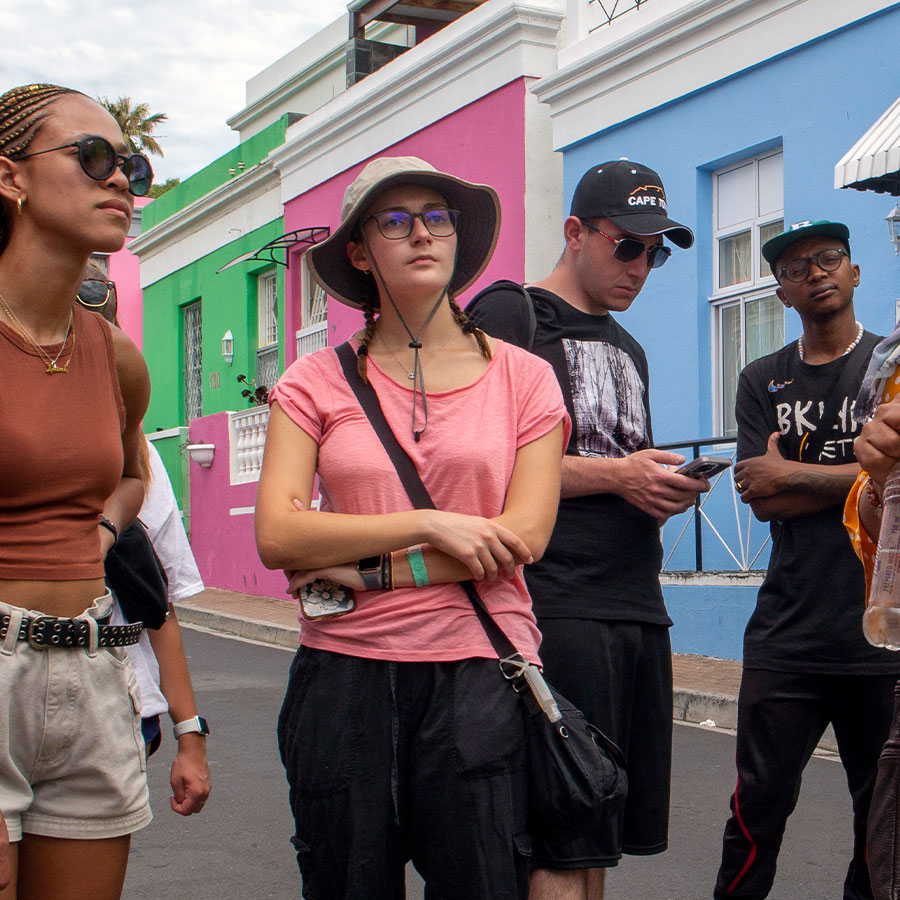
(774, 247)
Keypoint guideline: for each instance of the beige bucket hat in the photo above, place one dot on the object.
(479, 227)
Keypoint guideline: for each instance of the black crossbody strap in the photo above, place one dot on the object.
(412, 483)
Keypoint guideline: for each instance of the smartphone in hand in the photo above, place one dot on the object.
(704, 466)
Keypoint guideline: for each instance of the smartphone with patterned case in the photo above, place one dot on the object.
(323, 599)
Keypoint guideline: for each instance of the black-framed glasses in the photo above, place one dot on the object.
(396, 224)
(98, 160)
(798, 270)
(628, 248)
(95, 293)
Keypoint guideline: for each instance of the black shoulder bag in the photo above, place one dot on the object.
(576, 774)
(137, 577)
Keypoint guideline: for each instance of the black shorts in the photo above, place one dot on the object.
(389, 762)
(620, 675)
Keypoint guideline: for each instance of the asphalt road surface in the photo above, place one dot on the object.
(238, 848)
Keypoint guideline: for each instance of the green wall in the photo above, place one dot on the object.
(229, 302)
(250, 153)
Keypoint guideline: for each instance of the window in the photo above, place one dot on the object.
(314, 314)
(748, 319)
(267, 330)
(192, 372)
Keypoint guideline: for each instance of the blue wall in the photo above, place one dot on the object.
(815, 102)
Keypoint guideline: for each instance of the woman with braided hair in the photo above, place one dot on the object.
(399, 736)
(72, 769)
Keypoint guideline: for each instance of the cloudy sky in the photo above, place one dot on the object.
(187, 58)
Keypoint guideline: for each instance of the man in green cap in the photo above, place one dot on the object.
(806, 662)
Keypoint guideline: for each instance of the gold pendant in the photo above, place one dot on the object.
(53, 369)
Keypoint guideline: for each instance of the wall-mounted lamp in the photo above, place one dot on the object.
(893, 221)
(202, 454)
(228, 347)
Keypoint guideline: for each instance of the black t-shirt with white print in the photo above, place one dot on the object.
(808, 614)
(604, 556)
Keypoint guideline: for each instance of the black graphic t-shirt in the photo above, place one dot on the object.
(808, 614)
(604, 557)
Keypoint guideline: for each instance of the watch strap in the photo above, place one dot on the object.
(196, 724)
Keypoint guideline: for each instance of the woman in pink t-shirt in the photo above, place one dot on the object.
(400, 738)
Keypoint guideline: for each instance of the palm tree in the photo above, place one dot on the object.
(136, 123)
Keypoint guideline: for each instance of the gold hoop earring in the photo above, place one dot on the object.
(20, 202)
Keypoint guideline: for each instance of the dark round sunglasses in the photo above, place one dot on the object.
(626, 249)
(798, 270)
(98, 160)
(96, 293)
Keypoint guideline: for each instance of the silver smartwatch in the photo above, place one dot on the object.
(195, 724)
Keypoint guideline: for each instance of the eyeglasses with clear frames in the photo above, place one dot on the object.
(627, 248)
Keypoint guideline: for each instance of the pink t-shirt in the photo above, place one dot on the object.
(465, 457)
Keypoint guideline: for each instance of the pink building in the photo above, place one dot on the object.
(460, 100)
(124, 271)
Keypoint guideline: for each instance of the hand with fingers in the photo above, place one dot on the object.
(762, 476)
(661, 492)
(878, 445)
(488, 549)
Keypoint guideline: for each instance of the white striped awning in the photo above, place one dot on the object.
(873, 163)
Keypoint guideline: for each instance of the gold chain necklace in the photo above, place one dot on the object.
(53, 367)
(411, 375)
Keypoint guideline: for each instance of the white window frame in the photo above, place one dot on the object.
(761, 283)
(267, 369)
(192, 375)
(313, 332)
(267, 309)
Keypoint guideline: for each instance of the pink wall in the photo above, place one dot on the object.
(484, 142)
(124, 270)
(223, 544)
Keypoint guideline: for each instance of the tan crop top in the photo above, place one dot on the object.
(60, 452)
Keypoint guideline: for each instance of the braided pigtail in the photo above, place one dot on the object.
(362, 355)
(22, 113)
(469, 328)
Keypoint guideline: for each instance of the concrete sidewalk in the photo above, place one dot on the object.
(705, 688)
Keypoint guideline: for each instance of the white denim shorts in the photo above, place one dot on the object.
(72, 762)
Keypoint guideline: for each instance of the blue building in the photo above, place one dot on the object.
(744, 108)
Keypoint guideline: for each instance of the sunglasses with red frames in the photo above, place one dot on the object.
(98, 160)
(628, 248)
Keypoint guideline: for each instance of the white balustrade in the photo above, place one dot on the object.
(247, 439)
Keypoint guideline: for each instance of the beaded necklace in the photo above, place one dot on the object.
(850, 349)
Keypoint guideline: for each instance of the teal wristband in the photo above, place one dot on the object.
(417, 565)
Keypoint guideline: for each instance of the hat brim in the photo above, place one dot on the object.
(647, 224)
(477, 233)
(774, 248)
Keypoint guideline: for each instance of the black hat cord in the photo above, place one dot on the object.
(414, 343)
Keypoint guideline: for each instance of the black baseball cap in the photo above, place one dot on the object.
(775, 247)
(630, 195)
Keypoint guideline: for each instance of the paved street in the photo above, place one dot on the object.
(238, 848)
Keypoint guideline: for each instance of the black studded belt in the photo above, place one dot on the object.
(42, 632)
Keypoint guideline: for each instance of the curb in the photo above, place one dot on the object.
(238, 626)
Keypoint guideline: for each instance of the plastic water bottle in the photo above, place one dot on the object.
(881, 621)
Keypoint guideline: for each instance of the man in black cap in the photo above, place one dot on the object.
(596, 591)
(806, 662)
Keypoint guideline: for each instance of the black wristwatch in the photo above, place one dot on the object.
(370, 569)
